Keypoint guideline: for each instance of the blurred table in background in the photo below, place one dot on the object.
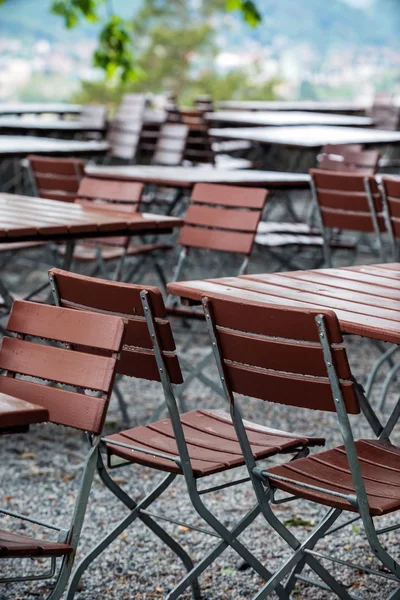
(283, 118)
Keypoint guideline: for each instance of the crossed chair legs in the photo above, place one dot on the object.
(228, 538)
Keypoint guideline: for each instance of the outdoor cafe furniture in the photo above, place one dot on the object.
(30, 219)
(345, 107)
(45, 394)
(241, 118)
(296, 357)
(300, 145)
(194, 444)
(40, 108)
(56, 178)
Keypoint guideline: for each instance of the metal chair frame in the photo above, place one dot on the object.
(138, 510)
(263, 481)
(33, 328)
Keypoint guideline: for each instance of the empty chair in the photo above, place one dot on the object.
(349, 202)
(51, 378)
(193, 445)
(204, 103)
(114, 195)
(296, 356)
(123, 137)
(56, 178)
(132, 106)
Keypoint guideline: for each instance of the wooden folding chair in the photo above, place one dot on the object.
(351, 161)
(36, 387)
(296, 357)
(221, 219)
(350, 202)
(196, 444)
(124, 196)
(56, 178)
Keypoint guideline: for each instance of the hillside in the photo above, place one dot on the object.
(324, 24)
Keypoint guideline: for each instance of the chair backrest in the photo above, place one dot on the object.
(384, 112)
(351, 161)
(94, 115)
(171, 144)
(86, 362)
(124, 136)
(56, 178)
(275, 353)
(391, 202)
(132, 106)
(223, 217)
(348, 201)
(137, 358)
(125, 194)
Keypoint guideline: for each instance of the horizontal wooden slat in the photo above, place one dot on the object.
(59, 166)
(66, 183)
(110, 189)
(105, 295)
(346, 182)
(226, 195)
(305, 392)
(354, 221)
(272, 320)
(56, 364)
(64, 407)
(356, 202)
(222, 218)
(280, 355)
(213, 239)
(66, 325)
(142, 364)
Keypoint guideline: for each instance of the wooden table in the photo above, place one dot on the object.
(296, 148)
(12, 146)
(186, 177)
(39, 108)
(310, 136)
(17, 415)
(366, 299)
(347, 107)
(18, 126)
(284, 118)
(24, 218)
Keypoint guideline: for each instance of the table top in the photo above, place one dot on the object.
(39, 108)
(16, 415)
(25, 218)
(366, 298)
(282, 118)
(22, 145)
(339, 106)
(186, 177)
(18, 123)
(312, 136)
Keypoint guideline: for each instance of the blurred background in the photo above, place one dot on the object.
(309, 49)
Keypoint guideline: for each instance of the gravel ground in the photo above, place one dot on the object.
(38, 479)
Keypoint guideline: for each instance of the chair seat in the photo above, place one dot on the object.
(212, 442)
(87, 251)
(14, 545)
(380, 466)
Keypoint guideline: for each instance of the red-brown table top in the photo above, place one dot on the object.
(366, 298)
(24, 218)
(16, 415)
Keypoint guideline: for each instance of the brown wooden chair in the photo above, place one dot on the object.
(350, 202)
(297, 357)
(56, 178)
(196, 444)
(49, 382)
(224, 220)
(123, 196)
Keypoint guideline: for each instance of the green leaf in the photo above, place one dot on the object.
(298, 522)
